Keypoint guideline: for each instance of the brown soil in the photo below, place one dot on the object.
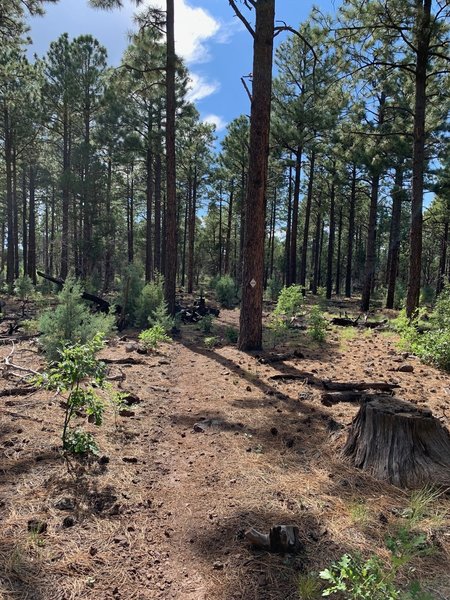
(165, 517)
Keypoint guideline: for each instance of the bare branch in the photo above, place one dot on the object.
(241, 17)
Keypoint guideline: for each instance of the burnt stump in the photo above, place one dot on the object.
(397, 442)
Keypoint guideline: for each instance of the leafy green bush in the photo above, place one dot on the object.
(205, 324)
(290, 302)
(226, 291)
(152, 337)
(80, 374)
(211, 342)
(433, 344)
(150, 298)
(317, 329)
(71, 322)
(357, 579)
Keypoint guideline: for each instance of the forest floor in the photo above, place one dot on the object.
(213, 447)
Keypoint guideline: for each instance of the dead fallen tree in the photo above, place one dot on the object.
(102, 304)
(194, 313)
(356, 322)
(382, 386)
(274, 358)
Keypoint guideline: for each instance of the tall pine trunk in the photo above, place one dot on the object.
(331, 235)
(250, 335)
(423, 20)
(171, 201)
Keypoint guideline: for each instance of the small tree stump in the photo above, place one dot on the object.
(398, 442)
(281, 538)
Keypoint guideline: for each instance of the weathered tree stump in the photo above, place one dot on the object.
(281, 538)
(398, 442)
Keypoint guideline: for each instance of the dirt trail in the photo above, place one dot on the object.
(215, 446)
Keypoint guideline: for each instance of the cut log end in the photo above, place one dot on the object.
(398, 442)
(282, 539)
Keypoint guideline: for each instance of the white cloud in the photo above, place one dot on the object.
(194, 26)
(216, 120)
(200, 87)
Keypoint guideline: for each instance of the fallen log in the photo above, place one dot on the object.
(400, 443)
(17, 391)
(122, 361)
(382, 386)
(281, 538)
(274, 358)
(331, 398)
(292, 376)
(103, 305)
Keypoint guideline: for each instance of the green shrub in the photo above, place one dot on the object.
(211, 342)
(79, 374)
(152, 337)
(226, 291)
(205, 324)
(274, 287)
(231, 335)
(290, 302)
(427, 294)
(131, 285)
(433, 345)
(24, 289)
(160, 316)
(317, 329)
(150, 298)
(71, 322)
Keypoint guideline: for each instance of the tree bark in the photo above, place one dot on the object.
(304, 257)
(398, 442)
(394, 241)
(31, 263)
(351, 236)
(250, 335)
(423, 19)
(331, 236)
(294, 225)
(171, 202)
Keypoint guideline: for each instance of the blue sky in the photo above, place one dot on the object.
(214, 44)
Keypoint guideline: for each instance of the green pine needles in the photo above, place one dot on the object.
(71, 322)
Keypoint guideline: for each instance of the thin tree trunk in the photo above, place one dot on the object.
(192, 225)
(158, 175)
(294, 227)
(149, 197)
(9, 198)
(31, 263)
(64, 269)
(394, 241)
(287, 250)
(331, 235)
(24, 222)
(369, 273)
(442, 260)
(351, 236)
(226, 266)
(339, 254)
(303, 265)
(16, 217)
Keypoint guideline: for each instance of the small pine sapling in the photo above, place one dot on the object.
(24, 289)
(79, 374)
